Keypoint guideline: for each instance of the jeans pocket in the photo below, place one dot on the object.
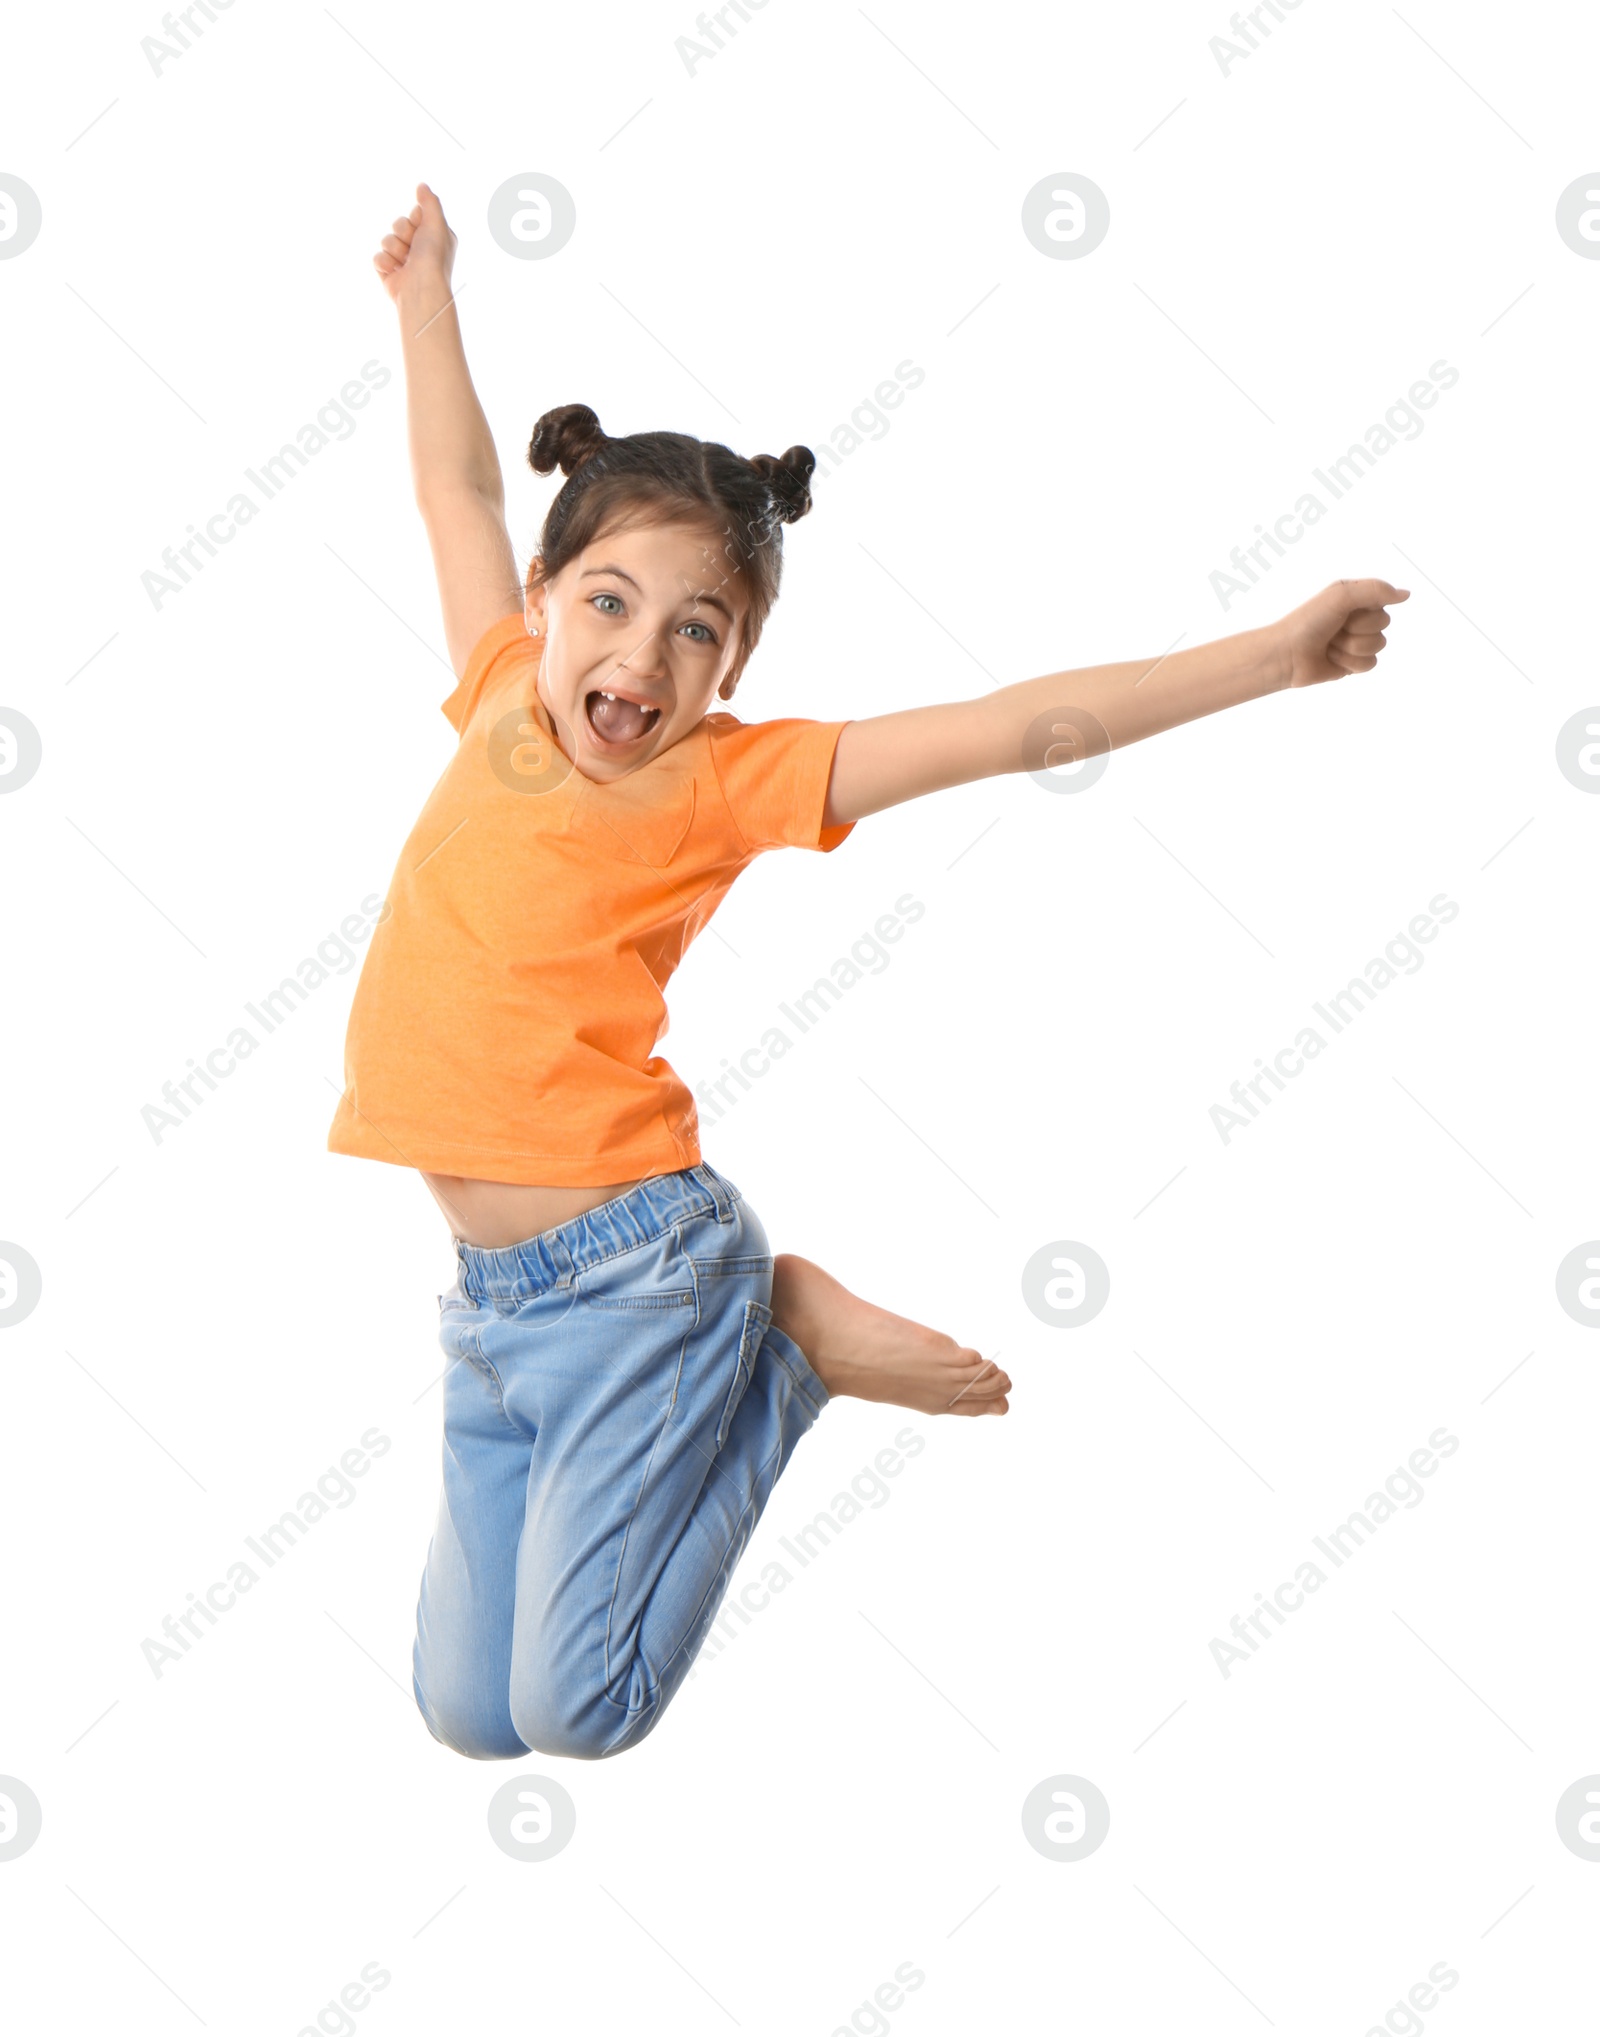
(757, 1318)
(458, 1326)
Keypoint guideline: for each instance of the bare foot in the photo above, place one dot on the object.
(867, 1353)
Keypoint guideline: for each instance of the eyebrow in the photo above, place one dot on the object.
(705, 596)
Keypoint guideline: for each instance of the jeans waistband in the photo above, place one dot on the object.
(650, 1208)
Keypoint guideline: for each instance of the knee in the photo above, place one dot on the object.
(583, 1726)
(467, 1726)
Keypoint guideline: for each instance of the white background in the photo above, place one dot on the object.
(226, 777)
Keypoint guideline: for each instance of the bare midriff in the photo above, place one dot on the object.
(492, 1214)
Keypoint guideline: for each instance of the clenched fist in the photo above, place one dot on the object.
(1337, 631)
(418, 255)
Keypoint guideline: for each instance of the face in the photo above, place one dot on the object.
(642, 632)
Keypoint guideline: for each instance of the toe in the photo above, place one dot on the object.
(987, 1378)
(988, 1397)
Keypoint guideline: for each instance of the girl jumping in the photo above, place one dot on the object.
(632, 1367)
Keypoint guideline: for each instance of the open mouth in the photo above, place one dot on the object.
(616, 719)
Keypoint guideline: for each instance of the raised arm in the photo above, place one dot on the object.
(890, 758)
(455, 470)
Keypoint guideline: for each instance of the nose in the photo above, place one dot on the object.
(646, 658)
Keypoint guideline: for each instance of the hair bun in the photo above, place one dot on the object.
(565, 437)
(789, 481)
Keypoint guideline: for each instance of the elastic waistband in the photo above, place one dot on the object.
(650, 1208)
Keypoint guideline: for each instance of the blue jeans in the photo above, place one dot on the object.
(618, 1411)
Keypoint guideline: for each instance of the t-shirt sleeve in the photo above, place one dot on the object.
(774, 776)
(504, 644)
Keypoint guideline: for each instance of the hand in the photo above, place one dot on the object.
(1339, 630)
(419, 252)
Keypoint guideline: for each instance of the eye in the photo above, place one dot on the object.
(617, 598)
(710, 636)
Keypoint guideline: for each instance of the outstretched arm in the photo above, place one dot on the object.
(455, 470)
(890, 758)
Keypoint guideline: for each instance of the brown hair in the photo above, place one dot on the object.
(670, 478)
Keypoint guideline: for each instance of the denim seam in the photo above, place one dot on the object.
(499, 1392)
(744, 1371)
(764, 1315)
(718, 1268)
(777, 1450)
(666, 1421)
(496, 1384)
(638, 1304)
(799, 1384)
(507, 1308)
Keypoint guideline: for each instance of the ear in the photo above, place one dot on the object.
(533, 607)
(741, 657)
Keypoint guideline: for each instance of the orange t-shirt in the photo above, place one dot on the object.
(505, 1023)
